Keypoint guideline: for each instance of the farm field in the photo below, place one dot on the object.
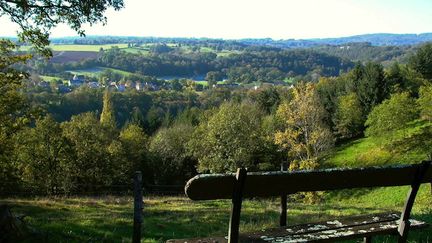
(143, 49)
(51, 78)
(72, 56)
(87, 48)
(95, 72)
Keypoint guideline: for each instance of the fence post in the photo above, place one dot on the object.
(138, 207)
(283, 200)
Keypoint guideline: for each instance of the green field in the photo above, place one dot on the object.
(143, 49)
(51, 78)
(95, 72)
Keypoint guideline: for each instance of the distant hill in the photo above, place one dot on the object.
(379, 39)
(373, 39)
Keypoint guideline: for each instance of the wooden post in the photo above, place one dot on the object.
(283, 200)
(234, 224)
(404, 219)
(138, 207)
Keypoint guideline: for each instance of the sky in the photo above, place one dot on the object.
(277, 19)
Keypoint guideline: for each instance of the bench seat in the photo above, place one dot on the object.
(340, 229)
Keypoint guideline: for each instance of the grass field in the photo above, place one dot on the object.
(109, 219)
(95, 72)
(371, 151)
(143, 49)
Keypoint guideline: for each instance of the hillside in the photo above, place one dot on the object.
(110, 217)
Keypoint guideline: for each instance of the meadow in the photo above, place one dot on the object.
(109, 218)
(95, 72)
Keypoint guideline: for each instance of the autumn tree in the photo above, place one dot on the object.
(303, 134)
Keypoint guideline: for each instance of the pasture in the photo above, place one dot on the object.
(95, 72)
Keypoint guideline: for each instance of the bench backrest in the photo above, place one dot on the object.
(267, 184)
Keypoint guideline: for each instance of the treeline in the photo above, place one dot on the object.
(172, 135)
(254, 64)
(374, 39)
(364, 52)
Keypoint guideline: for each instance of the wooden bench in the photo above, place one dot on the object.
(270, 184)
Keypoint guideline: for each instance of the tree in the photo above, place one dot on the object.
(91, 151)
(425, 102)
(42, 152)
(212, 77)
(392, 114)
(13, 108)
(107, 118)
(267, 99)
(349, 118)
(135, 142)
(37, 18)
(303, 133)
(371, 87)
(230, 138)
(421, 61)
(172, 162)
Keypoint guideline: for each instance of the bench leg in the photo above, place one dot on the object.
(367, 239)
(233, 231)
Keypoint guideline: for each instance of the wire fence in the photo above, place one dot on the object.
(12, 189)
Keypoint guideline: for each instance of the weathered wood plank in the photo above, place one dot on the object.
(327, 231)
(330, 235)
(220, 186)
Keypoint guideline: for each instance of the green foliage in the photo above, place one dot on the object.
(267, 98)
(425, 102)
(135, 145)
(370, 85)
(392, 114)
(402, 78)
(349, 118)
(213, 77)
(231, 138)
(172, 161)
(107, 118)
(94, 151)
(421, 61)
(13, 108)
(43, 152)
(37, 18)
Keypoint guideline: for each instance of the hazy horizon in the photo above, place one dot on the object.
(276, 19)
